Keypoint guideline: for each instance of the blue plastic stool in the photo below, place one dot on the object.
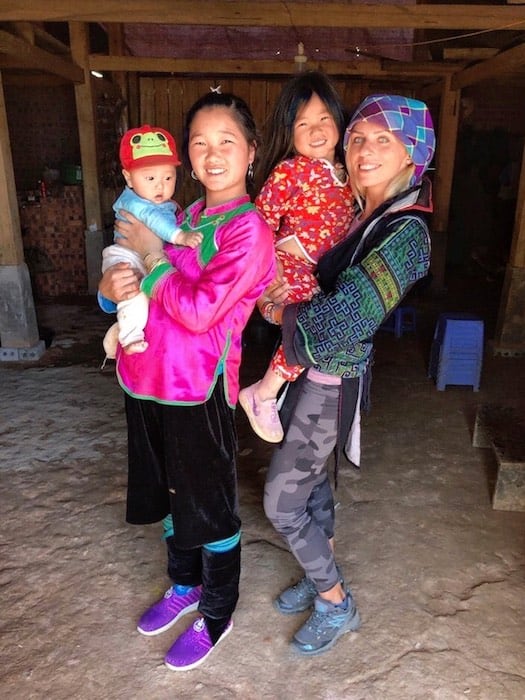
(402, 320)
(456, 355)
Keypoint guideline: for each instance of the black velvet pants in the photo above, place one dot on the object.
(181, 460)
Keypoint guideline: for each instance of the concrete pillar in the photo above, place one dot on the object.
(94, 248)
(18, 325)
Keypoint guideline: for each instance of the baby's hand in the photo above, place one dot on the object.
(191, 239)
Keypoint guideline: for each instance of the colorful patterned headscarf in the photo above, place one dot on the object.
(406, 118)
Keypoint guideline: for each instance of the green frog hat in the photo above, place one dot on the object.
(147, 145)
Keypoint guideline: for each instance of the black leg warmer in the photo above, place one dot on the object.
(184, 565)
(220, 589)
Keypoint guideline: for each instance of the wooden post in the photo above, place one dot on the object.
(509, 338)
(445, 157)
(120, 78)
(79, 39)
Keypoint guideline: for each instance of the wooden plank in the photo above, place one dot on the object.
(148, 112)
(162, 113)
(509, 60)
(241, 88)
(11, 250)
(257, 102)
(468, 54)
(133, 108)
(26, 79)
(353, 93)
(117, 47)
(26, 55)
(230, 13)
(176, 116)
(517, 252)
(189, 66)
(25, 31)
(87, 136)
(509, 337)
(48, 41)
(443, 176)
(184, 66)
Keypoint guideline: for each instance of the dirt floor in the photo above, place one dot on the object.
(437, 573)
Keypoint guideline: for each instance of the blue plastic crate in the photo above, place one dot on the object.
(401, 320)
(456, 355)
(458, 374)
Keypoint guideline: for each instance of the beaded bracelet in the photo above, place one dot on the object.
(268, 311)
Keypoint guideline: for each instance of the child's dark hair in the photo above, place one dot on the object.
(240, 112)
(279, 132)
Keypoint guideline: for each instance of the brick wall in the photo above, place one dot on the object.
(54, 248)
(43, 130)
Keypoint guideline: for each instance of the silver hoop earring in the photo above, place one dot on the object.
(193, 176)
(250, 171)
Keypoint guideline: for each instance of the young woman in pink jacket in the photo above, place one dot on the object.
(181, 392)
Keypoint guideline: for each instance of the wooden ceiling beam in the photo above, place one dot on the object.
(25, 30)
(144, 64)
(359, 67)
(27, 79)
(231, 13)
(47, 41)
(22, 54)
(33, 33)
(468, 54)
(506, 61)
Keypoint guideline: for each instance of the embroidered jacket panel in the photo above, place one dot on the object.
(389, 253)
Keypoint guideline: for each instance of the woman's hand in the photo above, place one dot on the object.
(137, 235)
(119, 282)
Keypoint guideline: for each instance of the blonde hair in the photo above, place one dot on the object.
(399, 183)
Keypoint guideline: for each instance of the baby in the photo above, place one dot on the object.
(149, 159)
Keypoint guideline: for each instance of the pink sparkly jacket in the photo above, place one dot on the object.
(200, 303)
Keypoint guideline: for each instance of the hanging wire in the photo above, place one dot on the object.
(442, 40)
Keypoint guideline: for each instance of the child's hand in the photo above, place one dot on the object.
(277, 291)
(191, 239)
(279, 277)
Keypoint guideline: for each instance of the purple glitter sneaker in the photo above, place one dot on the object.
(193, 646)
(177, 601)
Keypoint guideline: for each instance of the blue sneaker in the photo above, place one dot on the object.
(300, 596)
(177, 601)
(325, 625)
(296, 598)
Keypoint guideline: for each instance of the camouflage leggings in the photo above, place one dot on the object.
(298, 498)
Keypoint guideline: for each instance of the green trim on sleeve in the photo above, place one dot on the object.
(148, 283)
